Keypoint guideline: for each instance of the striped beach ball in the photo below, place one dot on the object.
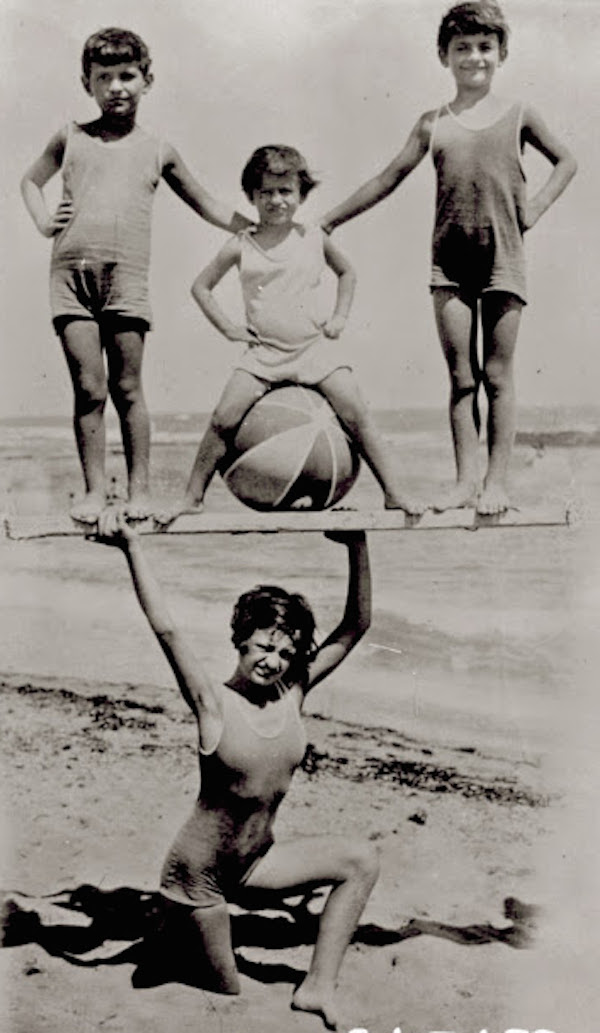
(290, 452)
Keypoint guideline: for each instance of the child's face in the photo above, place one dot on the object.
(117, 89)
(473, 59)
(266, 656)
(278, 199)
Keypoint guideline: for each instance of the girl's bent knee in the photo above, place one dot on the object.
(231, 986)
(357, 422)
(224, 423)
(362, 863)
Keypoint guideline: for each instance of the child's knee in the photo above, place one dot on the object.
(91, 390)
(126, 389)
(362, 863)
(497, 376)
(463, 390)
(225, 420)
(355, 417)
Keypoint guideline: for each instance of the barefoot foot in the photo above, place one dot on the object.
(461, 496)
(89, 508)
(411, 506)
(317, 1002)
(493, 500)
(139, 507)
(167, 514)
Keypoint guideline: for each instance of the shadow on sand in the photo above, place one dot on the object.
(125, 925)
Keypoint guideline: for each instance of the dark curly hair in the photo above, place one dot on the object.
(468, 19)
(111, 47)
(277, 160)
(268, 606)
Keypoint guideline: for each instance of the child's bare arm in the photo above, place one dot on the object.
(536, 133)
(340, 265)
(204, 284)
(385, 182)
(356, 618)
(187, 187)
(35, 179)
(194, 683)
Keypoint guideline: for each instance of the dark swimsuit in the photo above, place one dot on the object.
(243, 780)
(478, 235)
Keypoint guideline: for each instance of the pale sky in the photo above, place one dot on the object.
(344, 81)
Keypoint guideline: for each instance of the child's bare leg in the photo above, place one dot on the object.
(125, 350)
(214, 927)
(341, 391)
(83, 351)
(456, 321)
(352, 870)
(197, 940)
(241, 391)
(500, 319)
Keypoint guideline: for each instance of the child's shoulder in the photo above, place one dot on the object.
(427, 119)
(310, 235)
(424, 126)
(57, 143)
(307, 229)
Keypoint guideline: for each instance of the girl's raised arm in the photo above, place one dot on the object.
(193, 682)
(356, 618)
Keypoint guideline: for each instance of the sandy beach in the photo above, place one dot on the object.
(460, 737)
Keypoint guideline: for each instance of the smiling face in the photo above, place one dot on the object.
(277, 199)
(473, 59)
(117, 88)
(265, 656)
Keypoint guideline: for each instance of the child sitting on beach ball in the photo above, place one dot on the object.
(280, 262)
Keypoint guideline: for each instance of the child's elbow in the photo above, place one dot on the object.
(568, 164)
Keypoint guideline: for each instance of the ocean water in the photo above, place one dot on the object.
(558, 424)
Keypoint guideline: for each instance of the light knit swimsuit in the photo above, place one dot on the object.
(100, 260)
(279, 287)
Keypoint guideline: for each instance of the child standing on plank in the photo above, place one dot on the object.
(101, 253)
(482, 212)
(280, 262)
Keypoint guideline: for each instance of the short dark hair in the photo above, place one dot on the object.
(470, 18)
(278, 160)
(113, 46)
(268, 606)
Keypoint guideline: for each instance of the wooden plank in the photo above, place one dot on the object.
(57, 525)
